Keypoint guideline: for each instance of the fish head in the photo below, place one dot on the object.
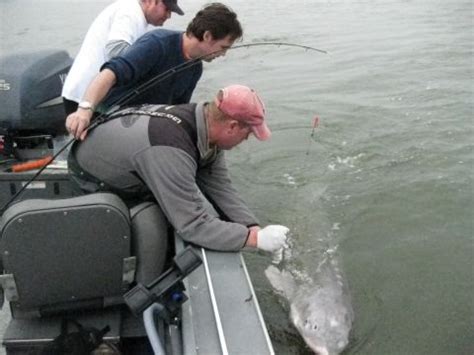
(323, 324)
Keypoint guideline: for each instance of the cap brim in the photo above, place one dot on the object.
(261, 132)
(175, 8)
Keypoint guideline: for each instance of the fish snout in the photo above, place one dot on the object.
(320, 350)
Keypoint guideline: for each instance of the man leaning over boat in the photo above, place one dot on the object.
(174, 154)
(118, 26)
(209, 35)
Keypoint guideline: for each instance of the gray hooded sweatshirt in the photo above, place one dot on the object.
(164, 150)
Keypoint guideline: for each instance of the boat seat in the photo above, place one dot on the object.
(150, 240)
(77, 253)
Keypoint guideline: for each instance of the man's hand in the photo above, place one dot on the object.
(272, 238)
(77, 123)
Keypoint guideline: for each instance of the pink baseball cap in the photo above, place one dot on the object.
(243, 104)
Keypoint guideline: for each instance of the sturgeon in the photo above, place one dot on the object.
(320, 307)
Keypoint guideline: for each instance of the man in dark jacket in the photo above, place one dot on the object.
(176, 153)
(209, 35)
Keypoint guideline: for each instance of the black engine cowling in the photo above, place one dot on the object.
(30, 92)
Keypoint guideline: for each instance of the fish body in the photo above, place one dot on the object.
(320, 308)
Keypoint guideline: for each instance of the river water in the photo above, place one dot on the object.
(387, 175)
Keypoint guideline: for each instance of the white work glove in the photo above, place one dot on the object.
(272, 237)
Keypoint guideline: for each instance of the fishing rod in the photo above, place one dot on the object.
(186, 65)
(284, 44)
(102, 117)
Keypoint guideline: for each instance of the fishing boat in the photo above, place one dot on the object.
(68, 262)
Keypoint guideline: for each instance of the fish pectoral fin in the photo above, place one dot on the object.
(274, 276)
(281, 281)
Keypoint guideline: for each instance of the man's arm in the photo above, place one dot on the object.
(170, 174)
(215, 182)
(127, 25)
(252, 237)
(77, 122)
(135, 63)
(126, 69)
(115, 48)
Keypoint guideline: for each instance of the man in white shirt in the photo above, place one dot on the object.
(112, 32)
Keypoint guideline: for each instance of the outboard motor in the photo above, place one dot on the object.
(32, 111)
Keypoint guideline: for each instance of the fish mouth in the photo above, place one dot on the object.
(317, 347)
(320, 350)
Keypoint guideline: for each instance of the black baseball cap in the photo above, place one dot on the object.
(172, 5)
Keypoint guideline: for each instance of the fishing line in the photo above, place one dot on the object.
(186, 65)
(315, 125)
(101, 118)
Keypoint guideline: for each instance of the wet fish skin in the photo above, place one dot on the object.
(321, 311)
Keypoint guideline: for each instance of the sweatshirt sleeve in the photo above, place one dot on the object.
(115, 48)
(215, 182)
(137, 61)
(170, 173)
